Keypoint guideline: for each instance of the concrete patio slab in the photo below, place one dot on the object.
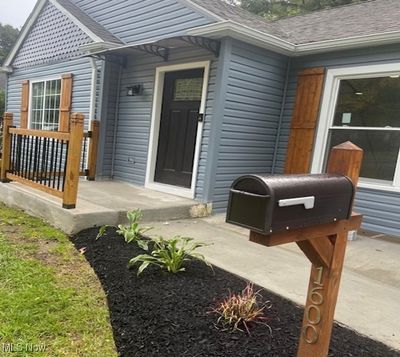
(99, 203)
(369, 299)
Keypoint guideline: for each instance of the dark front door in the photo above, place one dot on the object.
(178, 127)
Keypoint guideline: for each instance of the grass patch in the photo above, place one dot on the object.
(49, 295)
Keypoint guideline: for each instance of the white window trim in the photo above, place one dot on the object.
(329, 99)
(38, 80)
(155, 128)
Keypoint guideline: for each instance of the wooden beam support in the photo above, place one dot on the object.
(35, 185)
(308, 233)
(319, 311)
(93, 149)
(73, 161)
(6, 155)
(318, 251)
(41, 133)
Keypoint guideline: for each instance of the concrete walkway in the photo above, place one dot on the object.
(369, 299)
(99, 203)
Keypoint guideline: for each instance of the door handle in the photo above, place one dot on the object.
(200, 118)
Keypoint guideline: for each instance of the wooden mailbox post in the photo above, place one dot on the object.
(325, 246)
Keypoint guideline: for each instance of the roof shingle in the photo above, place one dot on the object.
(360, 19)
(91, 24)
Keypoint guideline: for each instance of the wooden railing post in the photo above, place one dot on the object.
(345, 159)
(93, 148)
(5, 162)
(73, 161)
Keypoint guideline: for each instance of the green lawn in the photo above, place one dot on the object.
(49, 296)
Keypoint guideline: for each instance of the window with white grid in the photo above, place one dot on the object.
(362, 105)
(45, 105)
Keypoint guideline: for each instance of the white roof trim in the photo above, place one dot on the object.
(31, 21)
(349, 42)
(24, 32)
(202, 10)
(6, 70)
(264, 40)
(244, 33)
(98, 46)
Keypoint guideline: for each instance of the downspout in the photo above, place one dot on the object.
(93, 90)
(281, 114)
(93, 97)
(116, 117)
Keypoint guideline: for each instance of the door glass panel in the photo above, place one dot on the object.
(188, 89)
(381, 150)
(368, 102)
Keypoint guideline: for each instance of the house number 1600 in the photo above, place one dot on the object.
(313, 311)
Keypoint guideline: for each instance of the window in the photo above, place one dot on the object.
(363, 108)
(45, 105)
(188, 89)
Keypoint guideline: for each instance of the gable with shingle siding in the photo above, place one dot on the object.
(135, 21)
(53, 38)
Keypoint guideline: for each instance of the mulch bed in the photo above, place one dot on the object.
(161, 314)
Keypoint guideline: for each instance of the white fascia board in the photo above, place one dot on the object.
(349, 43)
(24, 32)
(98, 46)
(244, 33)
(200, 9)
(6, 70)
(263, 40)
(78, 23)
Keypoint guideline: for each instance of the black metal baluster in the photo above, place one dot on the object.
(65, 166)
(60, 165)
(51, 162)
(84, 154)
(42, 164)
(35, 159)
(21, 157)
(26, 150)
(19, 151)
(46, 161)
(55, 163)
(30, 157)
(12, 154)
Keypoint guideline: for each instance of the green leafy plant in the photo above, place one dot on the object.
(241, 310)
(169, 254)
(133, 232)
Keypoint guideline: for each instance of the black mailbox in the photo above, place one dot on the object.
(267, 204)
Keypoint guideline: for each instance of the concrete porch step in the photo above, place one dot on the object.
(101, 202)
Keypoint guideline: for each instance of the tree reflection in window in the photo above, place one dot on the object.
(368, 114)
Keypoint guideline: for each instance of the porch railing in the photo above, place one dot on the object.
(50, 161)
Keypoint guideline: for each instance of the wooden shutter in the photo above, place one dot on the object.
(24, 105)
(65, 102)
(304, 121)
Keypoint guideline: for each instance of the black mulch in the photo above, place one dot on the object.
(161, 314)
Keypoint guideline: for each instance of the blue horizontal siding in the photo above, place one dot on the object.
(251, 109)
(141, 20)
(380, 208)
(134, 118)
(81, 71)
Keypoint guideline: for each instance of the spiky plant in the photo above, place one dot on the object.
(238, 311)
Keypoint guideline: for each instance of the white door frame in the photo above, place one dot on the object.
(155, 129)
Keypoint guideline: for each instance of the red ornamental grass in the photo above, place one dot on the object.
(240, 310)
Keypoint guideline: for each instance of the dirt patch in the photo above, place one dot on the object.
(161, 314)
